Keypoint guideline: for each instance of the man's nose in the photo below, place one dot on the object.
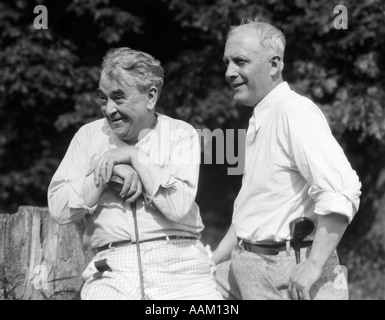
(110, 108)
(230, 72)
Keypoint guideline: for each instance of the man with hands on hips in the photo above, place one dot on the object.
(294, 168)
(156, 158)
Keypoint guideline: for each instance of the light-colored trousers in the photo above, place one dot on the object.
(250, 276)
(178, 269)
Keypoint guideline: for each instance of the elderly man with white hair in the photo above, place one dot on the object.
(133, 177)
(296, 179)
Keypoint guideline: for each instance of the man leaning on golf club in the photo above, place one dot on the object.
(133, 177)
(299, 191)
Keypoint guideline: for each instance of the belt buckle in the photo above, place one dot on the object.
(110, 247)
(276, 251)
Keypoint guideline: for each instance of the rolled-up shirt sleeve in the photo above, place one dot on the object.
(66, 190)
(333, 184)
(175, 189)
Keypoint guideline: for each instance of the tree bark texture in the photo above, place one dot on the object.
(39, 259)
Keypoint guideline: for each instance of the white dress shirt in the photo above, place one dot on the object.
(294, 167)
(170, 210)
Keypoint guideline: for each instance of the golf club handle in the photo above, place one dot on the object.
(133, 207)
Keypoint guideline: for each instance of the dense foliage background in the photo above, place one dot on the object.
(49, 77)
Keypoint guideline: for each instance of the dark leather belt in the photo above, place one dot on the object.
(269, 248)
(129, 242)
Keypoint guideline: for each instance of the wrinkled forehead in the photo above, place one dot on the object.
(117, 78)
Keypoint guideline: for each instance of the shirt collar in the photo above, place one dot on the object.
(261, 109)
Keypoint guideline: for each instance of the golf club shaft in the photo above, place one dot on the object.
(297, 256)
(133, 207)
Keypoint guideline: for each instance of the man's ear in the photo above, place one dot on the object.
(152, 96)
(276, 64)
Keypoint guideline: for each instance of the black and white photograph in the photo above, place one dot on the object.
(205, 151)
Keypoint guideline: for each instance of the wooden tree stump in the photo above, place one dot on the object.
(39, 259)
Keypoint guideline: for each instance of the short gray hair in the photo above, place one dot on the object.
(145, 68)
(270, 37)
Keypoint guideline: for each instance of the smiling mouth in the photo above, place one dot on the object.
(236, 85)
(116, 120)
